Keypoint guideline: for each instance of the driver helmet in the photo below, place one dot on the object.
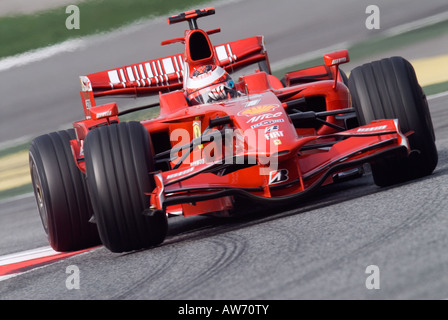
(209, 83)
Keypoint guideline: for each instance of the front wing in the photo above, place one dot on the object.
(310, 163)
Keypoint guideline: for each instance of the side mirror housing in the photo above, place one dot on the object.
(336, 58)
(104, 111)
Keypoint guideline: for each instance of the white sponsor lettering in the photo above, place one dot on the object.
(340, 60)
(372, 129)
(103, 114)
(273, 135)
(266, 123)
(178, 174)
(264, 117)
(197, 162)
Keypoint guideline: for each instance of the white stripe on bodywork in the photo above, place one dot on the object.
(122, 77)
(148, 70)
(160, 70)
(130, 74)
(176, 64)
(113, 77)
(142, 71)
(168, 66)
(222, 53)
(156, 73)
(137, 76)
(136, 73)
(181, 62)
(178, 70)
(231, 53)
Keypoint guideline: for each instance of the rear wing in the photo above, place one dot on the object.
(191, 16)
(165, 74)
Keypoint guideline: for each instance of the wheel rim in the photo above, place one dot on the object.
(39, 195)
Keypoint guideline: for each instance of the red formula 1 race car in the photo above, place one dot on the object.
(222, 142)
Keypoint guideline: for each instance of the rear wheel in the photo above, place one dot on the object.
(60, 191)
(118, 162)
(388, 89)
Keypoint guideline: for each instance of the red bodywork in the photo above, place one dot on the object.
(303, 125)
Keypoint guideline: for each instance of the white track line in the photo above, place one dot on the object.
(18, 197)
(27, 255)
(40, 54)
(414, 25)
(438, 95)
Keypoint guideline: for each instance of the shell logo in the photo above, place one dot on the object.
(257, 110)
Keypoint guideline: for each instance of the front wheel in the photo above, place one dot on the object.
(118, 165)
(388, 89)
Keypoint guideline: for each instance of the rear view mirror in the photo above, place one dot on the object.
(336, 58)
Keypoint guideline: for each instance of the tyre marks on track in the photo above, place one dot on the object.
(221, 252)
(157, 266)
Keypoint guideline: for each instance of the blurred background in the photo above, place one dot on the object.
(41, 59)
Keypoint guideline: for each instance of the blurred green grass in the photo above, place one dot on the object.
(21, 33)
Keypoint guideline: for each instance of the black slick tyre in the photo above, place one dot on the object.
(118, 162)
(60, 191)
(388, 89)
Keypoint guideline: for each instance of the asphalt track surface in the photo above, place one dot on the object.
(318, 249)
